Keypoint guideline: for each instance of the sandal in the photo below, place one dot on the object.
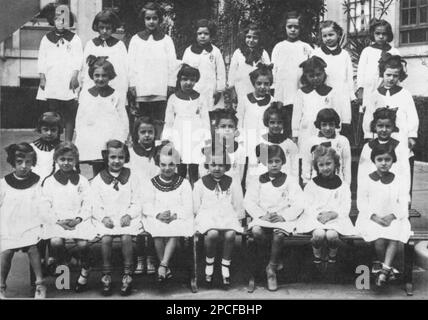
(272, 283)
(331, 259)
(382, 276)
(2, 292)
(106, 281)
(226, 280)
(209, 278)
(80, 287)
(126, 288)
(164, 276)
(40, 291)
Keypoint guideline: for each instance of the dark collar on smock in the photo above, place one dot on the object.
(46, 145)
(320, 134)
(251, 55)
(163, 186)
(105, 92)
(336, 51)
(386, 178)
(275, 138)
(21, 184)
(331, 183)
(385, 47)
(64, 177)
(322, 90)
(326, 144)
(375, 142)
(211, 184)
(395, 89)
(123, 177)
(110, 42)
(193, 95)
(276, 182)
(157, 34)
(197, 48)
(55, 37)
(143, 152)
(260, 102)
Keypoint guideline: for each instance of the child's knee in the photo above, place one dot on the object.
(332, 236)
(127, 239)
(108, 240)
(82, 244)
(278, 236)
(318, 237)
(258, 232)
(57, 242)
(229, 235)
(212, 234)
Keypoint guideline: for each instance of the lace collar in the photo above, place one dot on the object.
(164, 186)
(21, 184)
(44, 145)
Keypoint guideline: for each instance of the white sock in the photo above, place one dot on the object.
(83, 277)
(209, 267)
(225, 264)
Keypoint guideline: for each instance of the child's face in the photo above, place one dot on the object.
(66, 162)
(328, 129)
(384, 128)
(105, 30)
(274, 165)
(316, 77)
(380, 35)
(383, 162)
(203, 35)
(391, 77)
(49, 133)
(276, 124)
(59, 22)
(251, 39)
(187, 83)
(292, 28)
(329, 37)
(101, 77)
(23, 165)
(146, 134)
(217, 168)
(226, 129)
(325, 166)
(262, 86)
(151, 20)
(167, 166)
(115, 159)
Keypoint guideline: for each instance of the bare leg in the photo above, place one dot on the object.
(275, 254)
(211, 239)
(6, 262)
(229, 243)
(57, 246)
(127, 253)
(35, 261)
(106, 249)
(391, 250)
(380, 248)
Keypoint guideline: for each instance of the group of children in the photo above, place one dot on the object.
(255, 160)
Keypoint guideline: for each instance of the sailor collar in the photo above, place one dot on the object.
(123, 177)
(105, 92)
(276, 182)
(322, 90)
(110, 42)
(64, 177)
(393, 90)
(55, 37)
(22, 184)
(157, 34)
(211, 183)
(260, 102)
(386, 178)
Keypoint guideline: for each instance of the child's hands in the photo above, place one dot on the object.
(276, 218)
(125, 221)
(172, 218)
(42, 81)
(378, 220)
(266, 217)
(164, 216)
(388, 219)
(216, 97)
(412, 143)
(64, 224)
(74, 222)
(108, 222)
(74, 82)
(326, 216)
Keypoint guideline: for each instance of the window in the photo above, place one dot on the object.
(413, 21)
(359, 14)
(112, 4)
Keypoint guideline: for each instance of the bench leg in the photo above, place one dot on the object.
(194, 271)
(409, 255)
(251, 257)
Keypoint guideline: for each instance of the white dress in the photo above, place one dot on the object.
(68, 201)
(21, 212)
(341, 79)
(401, 168)
(291, 166)
(323, 195)
(187, 125)
(286, 58)
(306, 107)
(142, 166)
(98, 120)
(116, 54)
(217, 205)
(343, 149)
(44, 165)
(58, 59)
(401, 100)
(239, 73)
(281, 195)
(115, 203)
(213, 73)
(368, 71)
(175, 196)
(382, 198)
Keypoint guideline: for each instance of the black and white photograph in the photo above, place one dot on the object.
(207, 150)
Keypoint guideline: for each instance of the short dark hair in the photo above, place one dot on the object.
(394, 62)
(138, 122)
(331, 24)
(321, 151)
(65, 147)
(107, 16)
(228, 113)
(115, 144)
(205, 23)
(19, 150)
(50, 119)
(216, 150)
(292, 15)
(100, 62)
(265, 152)
(168, 150)
(274, 108)
(152, 7)
(383, 148)
(374, 23)
(261, 70)
(327, 115)
(384, 113)
(187, 71)
(49, 12)
(310, 65)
